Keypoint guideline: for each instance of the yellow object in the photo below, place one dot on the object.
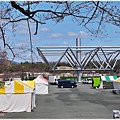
(3, 90)
(18, 88)
(117, 80)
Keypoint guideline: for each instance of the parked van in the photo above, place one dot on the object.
(67, 84)
(54, 79)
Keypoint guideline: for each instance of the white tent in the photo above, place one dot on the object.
(41, 85)
(116, 84)
(17, 96)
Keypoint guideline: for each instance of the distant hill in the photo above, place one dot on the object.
(13, 62)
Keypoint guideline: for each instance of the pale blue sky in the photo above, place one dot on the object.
(60, 34)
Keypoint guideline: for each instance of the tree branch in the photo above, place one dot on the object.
(92, 14)
(30, 40)
(4, 41)
(3, 36)
(17, 7)
(36, 28)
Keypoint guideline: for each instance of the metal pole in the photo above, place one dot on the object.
(78, 55)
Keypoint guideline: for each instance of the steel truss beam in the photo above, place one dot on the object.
(101, 58)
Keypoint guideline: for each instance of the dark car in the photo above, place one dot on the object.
(67, 84)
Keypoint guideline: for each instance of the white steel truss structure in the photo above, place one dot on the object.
(91, 57)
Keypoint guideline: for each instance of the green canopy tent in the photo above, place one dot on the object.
(107, 82)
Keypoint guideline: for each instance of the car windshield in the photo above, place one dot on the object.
(89, 79)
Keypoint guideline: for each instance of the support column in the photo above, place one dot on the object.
(78, 55)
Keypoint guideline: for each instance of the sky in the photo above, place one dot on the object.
(60, 34)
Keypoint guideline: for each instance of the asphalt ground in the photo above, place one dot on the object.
(82, 102)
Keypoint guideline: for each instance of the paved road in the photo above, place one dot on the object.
(72, 103)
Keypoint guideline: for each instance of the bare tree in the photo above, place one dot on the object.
(82, 13)
(4, 64)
